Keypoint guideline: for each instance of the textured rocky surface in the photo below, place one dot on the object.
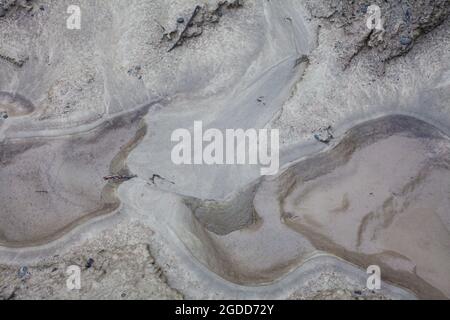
(402, 23)
(78, 105)
(114, 266)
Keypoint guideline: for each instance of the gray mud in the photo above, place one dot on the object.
(379, 196)
(15, 105)
(70, 109)
(50, 186)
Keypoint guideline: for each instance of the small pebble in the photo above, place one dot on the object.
(89, 263)
(406, 41)
(407, 17)
(180, 20)
(364, 8)
(23, 272)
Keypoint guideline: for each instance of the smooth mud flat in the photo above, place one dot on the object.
(49, 186)
(380, 196)
(388, 204)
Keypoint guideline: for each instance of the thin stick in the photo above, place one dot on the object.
(183, 33)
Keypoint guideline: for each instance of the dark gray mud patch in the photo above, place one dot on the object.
(15, 105)
(50, 186)
(223, 217)
(380, 197)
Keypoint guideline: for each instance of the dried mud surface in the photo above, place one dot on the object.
(364, 121)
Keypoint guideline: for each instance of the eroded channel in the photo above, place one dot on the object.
(380, 196)
(51, 185)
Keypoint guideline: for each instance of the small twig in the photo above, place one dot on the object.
(161, 26)
(152, 179)
(186, 28)
(119, 178)
(17, 62)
